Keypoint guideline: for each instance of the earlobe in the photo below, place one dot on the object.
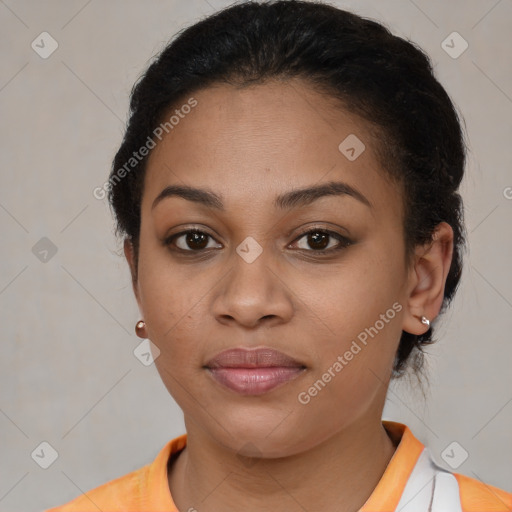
(427, 280)
(129, 252)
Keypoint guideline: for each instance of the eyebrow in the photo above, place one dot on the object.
(292, 199)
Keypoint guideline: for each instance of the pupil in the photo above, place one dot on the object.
(193, 239)
(319, 240)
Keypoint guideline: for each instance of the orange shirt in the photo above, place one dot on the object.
(411, 482)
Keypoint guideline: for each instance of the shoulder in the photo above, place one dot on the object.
(477, 496)
(424, 481)
(121, 494)
(146, 488)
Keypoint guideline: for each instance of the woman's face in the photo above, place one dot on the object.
(251, 278)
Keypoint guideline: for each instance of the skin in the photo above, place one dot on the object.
(271, 452)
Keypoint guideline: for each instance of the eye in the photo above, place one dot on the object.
(190, 241)
(318, 240)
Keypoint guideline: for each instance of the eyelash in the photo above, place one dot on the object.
(344, 242)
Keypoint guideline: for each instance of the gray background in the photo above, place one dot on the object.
(68, 372)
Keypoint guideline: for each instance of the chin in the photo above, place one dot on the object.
(267, 435)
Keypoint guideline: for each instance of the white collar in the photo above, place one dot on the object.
(430, 488)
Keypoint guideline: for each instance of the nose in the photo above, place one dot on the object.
(252, 294)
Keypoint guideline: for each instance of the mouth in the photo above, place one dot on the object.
(253, 371)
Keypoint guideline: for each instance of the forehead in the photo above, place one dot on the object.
(267, 138)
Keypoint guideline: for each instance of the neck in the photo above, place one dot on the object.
(338, 474)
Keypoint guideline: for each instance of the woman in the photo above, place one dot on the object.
(287, 192)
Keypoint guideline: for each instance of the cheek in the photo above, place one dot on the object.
(351, 297)
(173, 305)
(357, 318)
(354, 358)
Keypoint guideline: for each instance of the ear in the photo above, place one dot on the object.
(129, 253)
(427, 279)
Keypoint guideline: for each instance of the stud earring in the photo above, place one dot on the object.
(425, 320)
(139, 327)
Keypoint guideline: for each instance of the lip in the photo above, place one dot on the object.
(253, 371)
